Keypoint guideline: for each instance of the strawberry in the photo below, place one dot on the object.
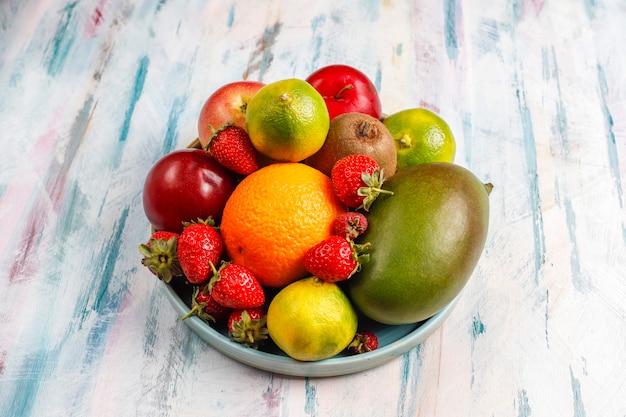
(364, 341)
(160, 255)
(248, 326)
(199, 246)
(335, 258)
(357, 180)
(205, 307)
(230, 146)
(350, 225)
(235, 286)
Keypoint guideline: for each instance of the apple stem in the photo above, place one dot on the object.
(343, 90)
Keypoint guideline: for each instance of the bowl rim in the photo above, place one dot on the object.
(285, 365)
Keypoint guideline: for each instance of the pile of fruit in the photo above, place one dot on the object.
(301, 208)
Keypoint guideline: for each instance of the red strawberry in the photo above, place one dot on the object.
(350, 225)
(230, 145)
(248, 326)
(205, 307)
(365, 341)
(160, 255)
(235, 286)
(199, 245)
(357, 181)
(335, 258)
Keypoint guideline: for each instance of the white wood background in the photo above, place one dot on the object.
(93, 92)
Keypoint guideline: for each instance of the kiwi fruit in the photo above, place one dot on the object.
(356, 133)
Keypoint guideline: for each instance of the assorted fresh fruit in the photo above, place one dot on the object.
(300, 207)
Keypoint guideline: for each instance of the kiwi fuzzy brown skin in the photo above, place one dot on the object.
(356, 133)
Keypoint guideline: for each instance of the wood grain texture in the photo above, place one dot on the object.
(94, 92)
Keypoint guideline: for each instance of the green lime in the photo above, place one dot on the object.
(287, 120)
(420, 136)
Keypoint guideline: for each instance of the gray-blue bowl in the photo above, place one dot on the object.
(393, 341)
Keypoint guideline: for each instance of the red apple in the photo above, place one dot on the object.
(186, 185)
(346, 89)
(227, 104)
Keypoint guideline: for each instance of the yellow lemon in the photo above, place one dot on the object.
(287, 120)
(420, 136)
(311, 320)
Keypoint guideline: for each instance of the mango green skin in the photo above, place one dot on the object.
(426, 241)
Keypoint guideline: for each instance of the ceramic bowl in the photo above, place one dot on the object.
(393, 341)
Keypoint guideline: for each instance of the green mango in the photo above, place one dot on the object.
(426, 240)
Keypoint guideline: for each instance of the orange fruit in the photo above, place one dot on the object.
(311, 319)
(274, 216)
(287, 120)
(421, 136)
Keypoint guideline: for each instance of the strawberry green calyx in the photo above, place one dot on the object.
(216, 275)
(208, 221)
(363, 342)
(336, 258)
(160, 257)
(215, 132)
(374, 182)
(197, 308)
(248, 331)
(360, 253)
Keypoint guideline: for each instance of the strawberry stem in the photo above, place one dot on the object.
(360, 253)
(374, 182)
(194, 311)
(216, 277)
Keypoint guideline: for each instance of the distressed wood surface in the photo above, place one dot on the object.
(94, 92)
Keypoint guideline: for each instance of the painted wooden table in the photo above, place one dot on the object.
(94, 92)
